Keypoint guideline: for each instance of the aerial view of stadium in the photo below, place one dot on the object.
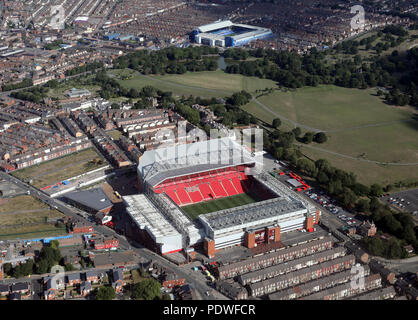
(214, 204)
(211, 150)
(228, 34)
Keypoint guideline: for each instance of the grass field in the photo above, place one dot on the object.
(194, 210)
(57, 170)
(25, 217)
(204, 84)
(115, 134)
(406, 45)
(359, 125)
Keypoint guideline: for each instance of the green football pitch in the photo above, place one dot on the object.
(194, 210)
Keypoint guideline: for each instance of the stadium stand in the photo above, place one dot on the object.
(206, 186)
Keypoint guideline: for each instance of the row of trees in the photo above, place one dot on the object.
(85, 68)
(344, 187)
(293, 71)
(229, 111)
(391, 249)
(35, 94)
(13, 86)
(170, 60)
(49, 256)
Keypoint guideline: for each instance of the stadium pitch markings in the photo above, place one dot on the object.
(194, 210)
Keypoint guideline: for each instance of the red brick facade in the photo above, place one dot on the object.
(106, 244)
(249, 239)
(209, 247)
(309, 223)
(1, 270)
(174, 282)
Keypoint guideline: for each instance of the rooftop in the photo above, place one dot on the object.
(95, 199)
(160, 164)
(148, 216)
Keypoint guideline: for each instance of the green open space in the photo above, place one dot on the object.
(359, 125)
(25, 217)
(409, 43)
(203, 84)
(60, 169)
(31, 232)
(115, 134)
(194, 210)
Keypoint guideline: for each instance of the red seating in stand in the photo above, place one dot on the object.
(206, 186)
(195, 196)
(229, 188)
(206, 191)
(217, 188)
(183, 196)
(237, 185)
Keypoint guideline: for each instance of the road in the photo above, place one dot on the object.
(400, 266)
(199, 284)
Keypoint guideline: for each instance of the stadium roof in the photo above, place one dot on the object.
(215, 25)
(183, 159)
(148, 216)
(248, 215)
(95, 199)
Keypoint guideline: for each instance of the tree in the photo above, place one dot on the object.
(42, 267)
(306, 166)
(54, 244)
(394, 249)
(276, 123)
(374, 245)
(7, 268)
(166, 296)
(320, 137)
(69, 267)
(308, 137)
(376, 190)
(148, 289)
(348, 197)
(363, 205)
(297, 131)
(105, 293)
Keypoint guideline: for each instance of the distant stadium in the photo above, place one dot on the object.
(190, 202)
(228, 34)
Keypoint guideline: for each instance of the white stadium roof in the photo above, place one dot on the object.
(215, 25)
(160, 164)
(149, 217)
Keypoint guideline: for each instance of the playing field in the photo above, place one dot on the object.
(57, 170)
(376, 141)
(203, 84)
(26, 217)
(194, 210)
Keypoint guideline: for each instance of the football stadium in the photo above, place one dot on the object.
(211, 195)
(228, 34)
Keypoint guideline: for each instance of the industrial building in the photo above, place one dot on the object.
(228, 34)
(185, 174)
(92, 200)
